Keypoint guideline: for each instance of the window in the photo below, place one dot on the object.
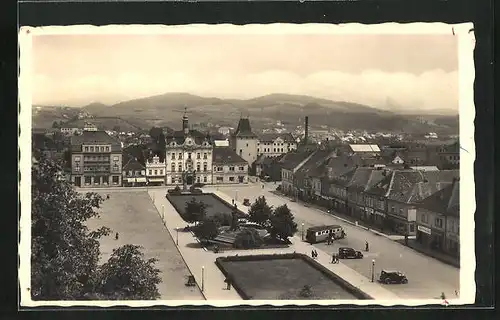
(198, 179)
(77, 158)
(189, 155)
(231, 168)
(242, 168)
(205, 179)
(219, 168)
(180, 166)
(172, 165)
(86, 149)
(424, 218)
(173, 155)
(115, 158)
(205, 166)
(102, 149)
(393, 209)
(161, 172)
(91, 149)
(220, 179)
(116, 179)
(198, 156)
(150, 172)
(180, 156)
(156, 172)
(198, 167)
(412, 227)
(77, 168)
(115, 167)
(107, 149)
(438, 222)
(88, 180)
(231, 179)
(205, 156)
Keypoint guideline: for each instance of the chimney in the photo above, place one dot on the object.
(306, 134)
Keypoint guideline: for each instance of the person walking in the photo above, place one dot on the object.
(367, 247)
(116, 236)
(312, 254)
(334, 257)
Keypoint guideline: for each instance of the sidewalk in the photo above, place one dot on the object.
(212, 281)
(373, 289)
(413, 244)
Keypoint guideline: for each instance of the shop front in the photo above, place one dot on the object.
(437, 242)
(453, 244)
(424, 235)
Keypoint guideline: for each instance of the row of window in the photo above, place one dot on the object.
(94, 158)
(270, 144)
(230, 179)
(156, 172)
(269, 150)
(101, 180)
(438, 223)
(96, 148)
(179, 156)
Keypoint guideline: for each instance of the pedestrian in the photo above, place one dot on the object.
(316, 254)
(366, 246)
(233, 201)
(312, 254)
(443, 297)
(107, 196)
(333, 257)
(116, 236)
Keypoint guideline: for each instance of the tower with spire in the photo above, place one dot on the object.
(185, 122)
(244, 142)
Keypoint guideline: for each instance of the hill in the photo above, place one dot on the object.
(167, 109)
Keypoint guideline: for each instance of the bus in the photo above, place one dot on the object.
(320, 233)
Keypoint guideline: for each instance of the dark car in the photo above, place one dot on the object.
(246, 202)
(390, 277)
(349, 253)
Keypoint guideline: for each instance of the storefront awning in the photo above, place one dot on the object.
(141, 179)
(155, 179)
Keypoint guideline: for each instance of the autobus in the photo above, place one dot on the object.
(321, 233)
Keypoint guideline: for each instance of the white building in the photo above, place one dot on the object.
(155, 171)
(275, 144)
(188, 151)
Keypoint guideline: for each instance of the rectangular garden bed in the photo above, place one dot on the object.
(215, 205)
(284, 277)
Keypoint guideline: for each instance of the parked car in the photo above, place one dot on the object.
(391, 277)
(246, 202)
(349, 253)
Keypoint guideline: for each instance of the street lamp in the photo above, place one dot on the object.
(202, 278)
(177, 236)
(373, 270)
(302, 231)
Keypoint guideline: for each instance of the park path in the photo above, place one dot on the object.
(200, 262)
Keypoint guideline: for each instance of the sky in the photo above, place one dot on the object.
(396, 72)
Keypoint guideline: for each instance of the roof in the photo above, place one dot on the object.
(445, 201)
(364, 178)
(244, 129)
(270, 137)
(364, 148)
(292, 159)
(425, 168)
(225, 155)
(133, 164)
(316, 165)
(319, 228)
(94, 137)
(180, 136)
(410, 186)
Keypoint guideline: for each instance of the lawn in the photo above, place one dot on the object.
(282, 279)
(214, 204)
(136, 220)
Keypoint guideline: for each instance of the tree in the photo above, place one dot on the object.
(207, 230)
(127, 276)
(195, 211)
(55, 124)
(64, 252)
(260, 212)
(282, 223)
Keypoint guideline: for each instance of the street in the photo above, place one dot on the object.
(428, 277)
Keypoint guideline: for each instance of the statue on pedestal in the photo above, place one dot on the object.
(184, 180)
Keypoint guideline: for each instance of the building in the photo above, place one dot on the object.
(403, 189)
(89, 127)
(228, 167)
(69, 131)
(438, 220)
(134, 173)
(244, 142)
(96, 160)
(156, 170)
(362, 180)
(290, 163)
(275, 144)
(188, 152)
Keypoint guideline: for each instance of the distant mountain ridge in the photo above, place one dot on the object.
(167, 109)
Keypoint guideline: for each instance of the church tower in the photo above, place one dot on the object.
(185, 122)
(244, 142)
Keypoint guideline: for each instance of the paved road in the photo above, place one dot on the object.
(427, 276)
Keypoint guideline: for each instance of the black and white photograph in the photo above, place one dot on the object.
(229, 165)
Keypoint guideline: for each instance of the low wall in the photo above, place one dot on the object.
(332, 276)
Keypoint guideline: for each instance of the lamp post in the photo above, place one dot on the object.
(302, 231)
(202, 278)
(163, 212)
(373, 270)
(177, 236)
